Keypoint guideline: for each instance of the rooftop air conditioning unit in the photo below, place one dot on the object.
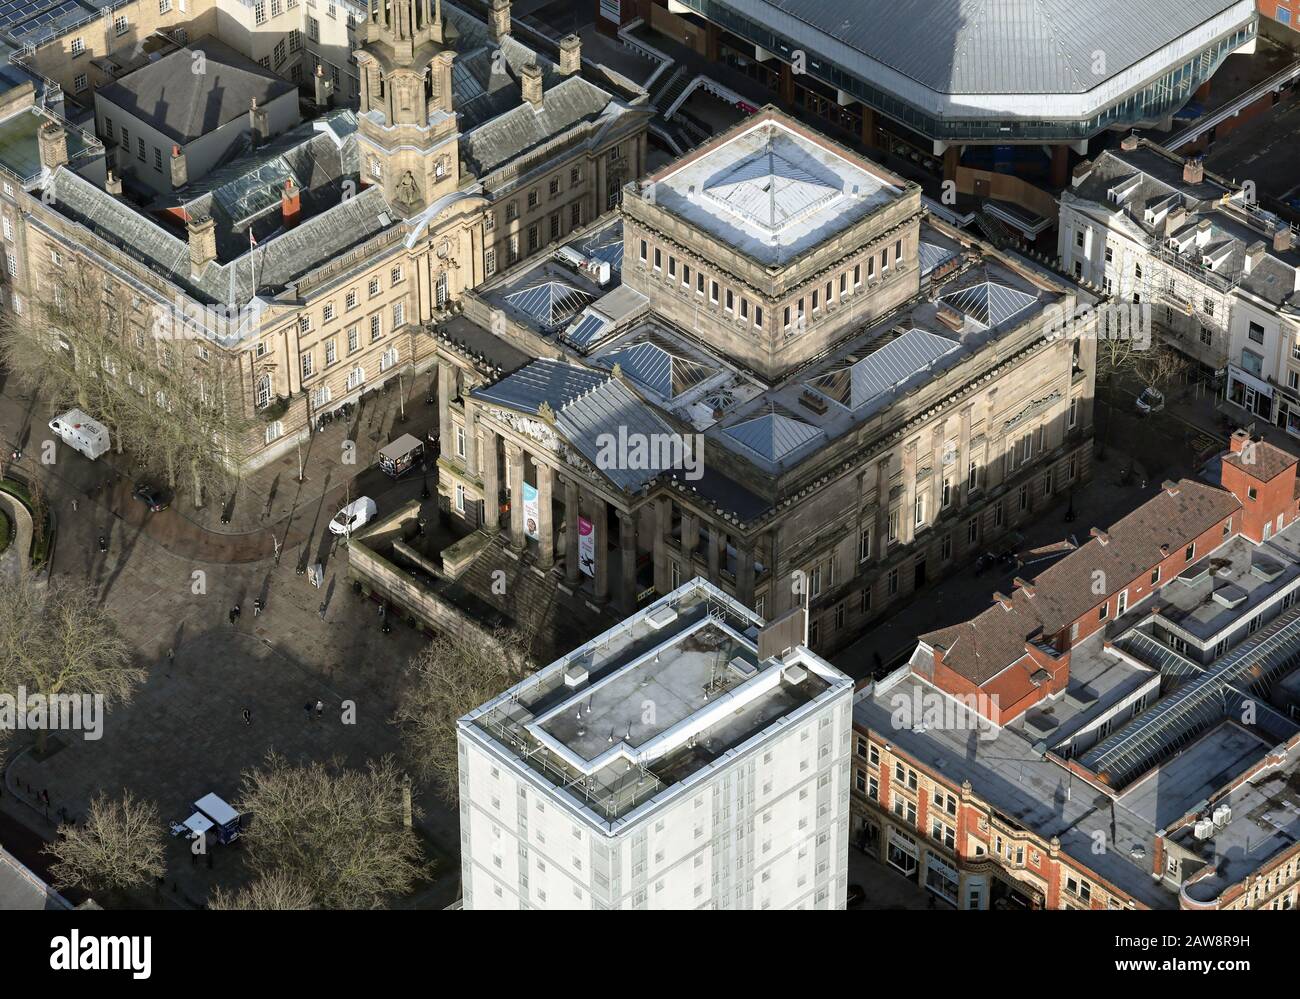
(1222, 816)
(1203, 829)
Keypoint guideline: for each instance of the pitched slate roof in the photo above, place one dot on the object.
(184, 105)
(981, 648)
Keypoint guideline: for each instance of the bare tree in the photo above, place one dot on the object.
(273, 890)
(60, 641)
(148, 371)
(338, 833)
(119, 848)
(1160, 366)
(449, 677)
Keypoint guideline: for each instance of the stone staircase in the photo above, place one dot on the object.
(532, 602)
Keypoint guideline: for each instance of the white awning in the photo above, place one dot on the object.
(1249, 380)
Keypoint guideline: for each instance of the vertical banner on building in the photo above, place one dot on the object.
(530, 512)
(586, 546)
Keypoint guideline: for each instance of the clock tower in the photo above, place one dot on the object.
(407, 128)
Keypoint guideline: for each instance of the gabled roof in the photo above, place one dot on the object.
(170, 96)
(594, 412)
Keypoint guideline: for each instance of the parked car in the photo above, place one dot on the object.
(155, 499)
(355, 515)
(1151, 400)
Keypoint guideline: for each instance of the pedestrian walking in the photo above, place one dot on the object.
(257, 607)
(322, 610)
(232, 615)
(307, 708)
(320, 708)
(74, 504)
(236, 612)
(248, 716)
(171, 656)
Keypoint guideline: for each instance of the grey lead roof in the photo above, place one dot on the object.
(184, 105)
(774, 436)
(590, 408)
(995, 46)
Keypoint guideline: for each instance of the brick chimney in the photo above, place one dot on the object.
(52, 141)
(180, 168)
(1193, 170)
(203, 243)
(1026, 586)
(1170, 486)
(530, 82)
(570, 55)
(1129, 142)
(1238, 441)
(499, 20)
(1100, 535)
(1283, 238)
(1175, 220)
(1003, 600)
(290, 204)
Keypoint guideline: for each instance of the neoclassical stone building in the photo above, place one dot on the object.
(773, 370)
(314, 256)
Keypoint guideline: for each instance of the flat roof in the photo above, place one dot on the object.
(581, 725)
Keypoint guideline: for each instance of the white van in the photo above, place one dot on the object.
(355, 515)
(81, 433)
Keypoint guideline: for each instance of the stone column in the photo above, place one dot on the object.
(627, 547)
(471, 438)
(963, 457)
(545, 516)
(571, 532)
(515, 455)
(938, 441)
(882, 509)
(715, 555)
(663, 526)
(907, 520)
(491, 482)
(745, 573)
(446, 383)
(690, 540)
(600, 518)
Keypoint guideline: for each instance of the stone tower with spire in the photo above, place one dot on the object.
(407, 127)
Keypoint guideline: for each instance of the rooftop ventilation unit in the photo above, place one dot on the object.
(1222, 816)
(575, 675)
(661, 617)
(1230, 595)
(1204, 829)
(794, 674)
(743, 668)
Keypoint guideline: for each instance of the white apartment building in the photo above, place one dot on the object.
(663, 765)
(1221, 275)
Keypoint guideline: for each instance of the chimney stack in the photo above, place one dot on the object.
(1003, 600)
(1255, 255)
(1193, 170)
(180, 169)
(203, 243)
(1100, 535)
(570, 55)
(324, 87)
(499, 20)
(1283, 238)
(1129, 142)
(1237, 443)
(1170, 486)
(52, 142)
(258, 123)
(1024, 585)
(530, 82)
(113, 184)
(290, 204)
(1175, 220)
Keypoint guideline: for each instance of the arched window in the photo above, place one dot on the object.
(263, 391)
